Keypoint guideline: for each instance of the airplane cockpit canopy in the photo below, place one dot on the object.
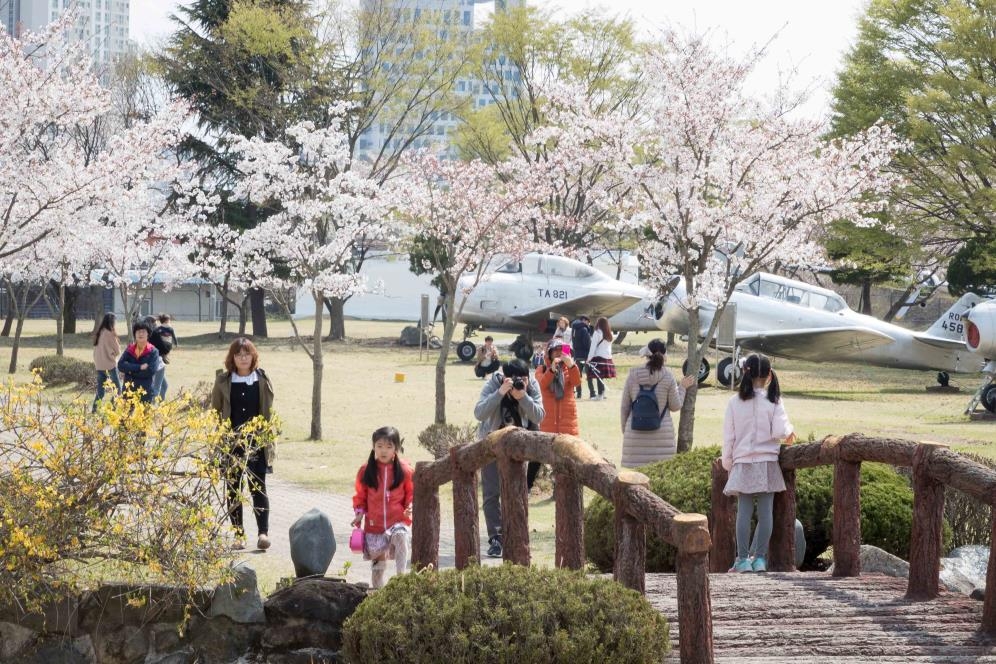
(776, 288)
(558, 266)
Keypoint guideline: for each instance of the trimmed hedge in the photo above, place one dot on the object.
(685, 482)
(505, 614)
(63, 370)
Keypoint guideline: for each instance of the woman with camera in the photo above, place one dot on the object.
(510, 397)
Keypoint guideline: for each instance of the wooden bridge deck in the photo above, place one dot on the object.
(813, 617)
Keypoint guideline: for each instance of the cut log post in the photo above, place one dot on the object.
(466, 538)
(694, 603)
(514, 508)
(781, 552)
(989, 605)
(722, 525)
(568, 497)
(846, 518)
(631, 535)
(928, 523)
(425, 520)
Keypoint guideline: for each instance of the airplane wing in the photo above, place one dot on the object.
(815, 344)
(592, 304)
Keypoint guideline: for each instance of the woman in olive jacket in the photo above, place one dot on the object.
(242, 391)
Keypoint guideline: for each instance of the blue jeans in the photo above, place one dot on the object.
(159, 384)
(103, 377)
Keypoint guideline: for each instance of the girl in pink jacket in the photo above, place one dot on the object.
(753, 430)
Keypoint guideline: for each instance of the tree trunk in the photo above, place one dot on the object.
(686, 426)
(898, 304)
(337, 320)
(866, 297)
(69, 309)
(9, 320)
(60, 341)
(317, 369)
(256, 299)
(222, 328)
(243, 315)
(449, 325)
(16, 345)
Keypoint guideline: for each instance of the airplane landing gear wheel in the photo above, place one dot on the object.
(466, 351)
(727, 370)
(943, 378)
(703, 370)
(619, 337)
(989, 398)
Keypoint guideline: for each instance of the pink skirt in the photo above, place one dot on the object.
(757, 477)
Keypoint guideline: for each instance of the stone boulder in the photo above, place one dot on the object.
(312, 544)
(309, 615)
(874, 560)
(410, 336)
(240, 599)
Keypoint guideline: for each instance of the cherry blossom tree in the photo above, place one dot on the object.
(320, 211)
(49, 90)
(726, 183)
(463, 217)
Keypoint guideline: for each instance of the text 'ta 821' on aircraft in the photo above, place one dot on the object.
(980, 337)
(529, 295)
(795, 320)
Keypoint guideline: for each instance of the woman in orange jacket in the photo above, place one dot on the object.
(557, 378)
(383, 500)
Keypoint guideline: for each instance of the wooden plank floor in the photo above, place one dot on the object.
(813, 617)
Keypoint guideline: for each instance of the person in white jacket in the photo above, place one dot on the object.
(753, 430)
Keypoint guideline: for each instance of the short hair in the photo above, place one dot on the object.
(241, 343)
(514, 368)
(164, 317)
(489, 338)
(140, 325)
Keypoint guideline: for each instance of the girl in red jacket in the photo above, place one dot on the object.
(384, 494)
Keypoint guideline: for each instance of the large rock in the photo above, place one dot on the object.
(61, 650)
(121, 644)
(13, 640)
(410, 336)
(955, 581)
(221, 640)
(312, 544)
(800, 544)
(240, 599)
(116, 604)
(971, 560)
(55, 617)
(874, 560)
(309, 614)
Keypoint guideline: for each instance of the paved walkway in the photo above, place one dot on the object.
(290, 501)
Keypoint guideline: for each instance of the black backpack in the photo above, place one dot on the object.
(647, 413)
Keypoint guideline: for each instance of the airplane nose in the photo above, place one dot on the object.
(980, 329)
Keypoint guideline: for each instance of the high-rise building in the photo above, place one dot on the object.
(456, 20)
(103, 24)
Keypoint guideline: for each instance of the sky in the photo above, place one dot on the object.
(809, 37)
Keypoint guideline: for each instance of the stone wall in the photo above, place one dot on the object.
(119, 624)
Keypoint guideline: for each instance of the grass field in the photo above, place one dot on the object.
(360, 394)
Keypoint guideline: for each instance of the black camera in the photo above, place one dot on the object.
(518, 383)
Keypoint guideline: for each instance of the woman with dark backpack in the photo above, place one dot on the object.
(649, 395)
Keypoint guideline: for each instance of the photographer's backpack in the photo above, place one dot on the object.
(646, 411)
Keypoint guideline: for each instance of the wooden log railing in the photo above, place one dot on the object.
(575, 465)
(934, 468)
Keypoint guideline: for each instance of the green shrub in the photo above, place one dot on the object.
(504, 614)
(685, 481)
(63, 370)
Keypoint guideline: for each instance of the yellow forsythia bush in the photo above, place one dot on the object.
(132, 492)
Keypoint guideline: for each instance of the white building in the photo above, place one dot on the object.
(456, 20)
(103, 24)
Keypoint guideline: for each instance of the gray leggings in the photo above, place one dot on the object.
(762, 534)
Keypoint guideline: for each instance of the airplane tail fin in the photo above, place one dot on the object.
(950, 325)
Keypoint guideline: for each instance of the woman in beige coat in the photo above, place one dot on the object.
(643, 447)
(106, 349)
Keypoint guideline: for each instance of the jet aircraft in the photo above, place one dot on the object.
(795, 320)
(980, 337)
(529, 295)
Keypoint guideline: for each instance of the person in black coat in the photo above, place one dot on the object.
(580, 345)
(138, 363)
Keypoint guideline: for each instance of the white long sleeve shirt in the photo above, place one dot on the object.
(600, 347)
(753, 429)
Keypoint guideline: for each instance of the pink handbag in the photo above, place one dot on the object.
(356, 541)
